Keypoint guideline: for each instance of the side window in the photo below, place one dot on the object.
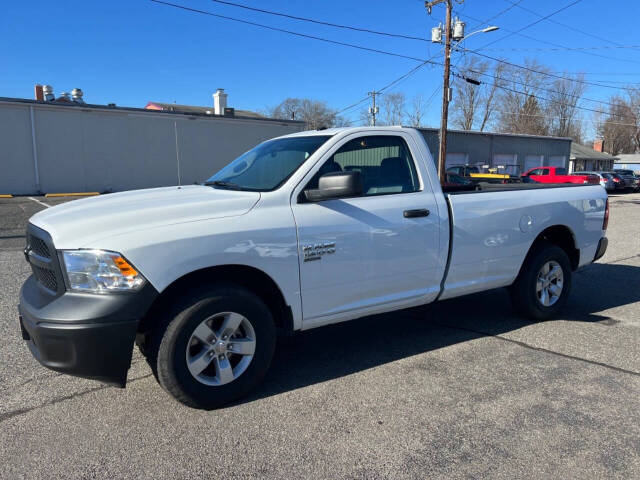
(544, 171)
(384, 162)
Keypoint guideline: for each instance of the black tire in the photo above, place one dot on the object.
(168, 346)
(524, 295)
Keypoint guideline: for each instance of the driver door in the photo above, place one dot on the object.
(362, 255)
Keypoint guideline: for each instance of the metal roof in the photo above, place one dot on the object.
(628, 158)
(580, 152)
(497, 134)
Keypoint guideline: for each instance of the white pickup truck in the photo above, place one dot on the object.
(301, 231)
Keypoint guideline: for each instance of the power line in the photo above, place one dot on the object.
(320, 22)
(570, 27)
(532, 86)
(523, 67)
(390, 84)
(360, 47)
(547, 99)
(500, 13)
(531, 24)
(397, 80)
(546, 42)
(547, 49)
(558, 116)
(290, 32)
(313, 37)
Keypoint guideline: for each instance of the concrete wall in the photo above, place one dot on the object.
(100, 149)
(495, 149)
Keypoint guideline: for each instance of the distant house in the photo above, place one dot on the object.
(630, 161)
(219, 107)
(585, 159)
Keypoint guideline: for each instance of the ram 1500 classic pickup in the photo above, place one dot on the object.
(302, 231)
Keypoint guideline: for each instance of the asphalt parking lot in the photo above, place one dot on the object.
(460, 389)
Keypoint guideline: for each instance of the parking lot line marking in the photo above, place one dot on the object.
(38, 201)
(73, 194)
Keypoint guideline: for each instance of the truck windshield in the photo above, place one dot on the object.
(268, 165)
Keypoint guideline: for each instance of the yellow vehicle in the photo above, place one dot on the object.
(485, 173)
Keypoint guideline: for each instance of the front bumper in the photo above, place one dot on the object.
(81, 334)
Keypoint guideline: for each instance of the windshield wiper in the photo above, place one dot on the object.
(223, 184)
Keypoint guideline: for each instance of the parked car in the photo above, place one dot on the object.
(631, 180)
(558, 175)
(455, 182)
(302, 231)
(605, 180)
(617, 180)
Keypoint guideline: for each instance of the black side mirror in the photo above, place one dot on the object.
(336, 185)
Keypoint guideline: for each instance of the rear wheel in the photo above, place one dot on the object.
(542, 287)
(215, 348)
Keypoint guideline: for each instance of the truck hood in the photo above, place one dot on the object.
(78, 223)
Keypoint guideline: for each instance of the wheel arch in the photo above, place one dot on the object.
(560, 236)
(251, 278)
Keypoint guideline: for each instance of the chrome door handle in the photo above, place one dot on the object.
(420, 212)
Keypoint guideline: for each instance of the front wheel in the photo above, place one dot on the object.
(216, 348)
(542, 287)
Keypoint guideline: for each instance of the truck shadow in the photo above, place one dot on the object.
(338, 350)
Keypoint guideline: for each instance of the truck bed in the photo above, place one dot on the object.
(491, 234)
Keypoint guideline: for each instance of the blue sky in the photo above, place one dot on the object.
(135, 51)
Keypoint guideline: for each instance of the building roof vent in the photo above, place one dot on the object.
(76, 95)
(219, 101)
(47, 90)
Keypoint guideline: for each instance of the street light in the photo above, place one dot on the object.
(491, 28)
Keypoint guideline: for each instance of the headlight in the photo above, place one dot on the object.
(99, 271)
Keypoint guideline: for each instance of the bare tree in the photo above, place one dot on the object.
(316, 114)
(365, 117)
(474, 99)
(618, 129)
(519, 104)
(633, 93)
(565, 119)
(466, 99)
(418, 111)
(392, 108)
(488, 104)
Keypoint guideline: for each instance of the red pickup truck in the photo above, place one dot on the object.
(557, 175)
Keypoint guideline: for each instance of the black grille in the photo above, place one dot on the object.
(39, 247)
(41, 255)
(46, 277)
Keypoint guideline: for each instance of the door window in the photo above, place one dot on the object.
(384, 162)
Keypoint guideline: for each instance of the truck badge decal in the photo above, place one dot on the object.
(315, 252)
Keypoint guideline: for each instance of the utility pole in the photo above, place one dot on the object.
(446, 92)
(373, 109)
